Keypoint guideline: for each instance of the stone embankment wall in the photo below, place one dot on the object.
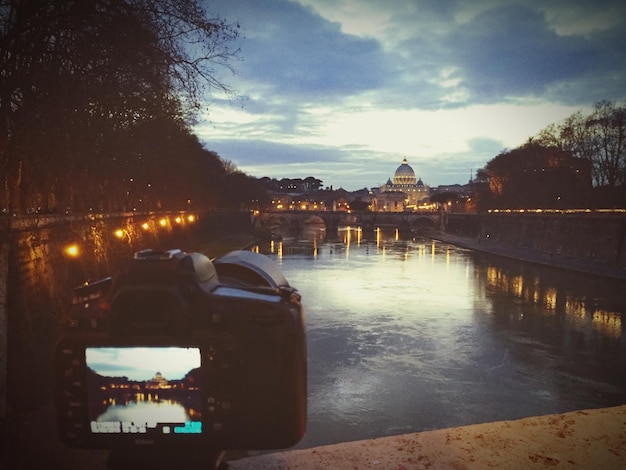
(38, 275)
(596, 237)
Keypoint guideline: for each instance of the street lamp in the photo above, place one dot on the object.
(72, 251)
(121, 233)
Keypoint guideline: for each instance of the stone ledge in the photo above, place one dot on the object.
(589, 439)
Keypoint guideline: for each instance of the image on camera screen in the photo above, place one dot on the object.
(144, 390)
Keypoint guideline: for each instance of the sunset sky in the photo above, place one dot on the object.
(343, 90)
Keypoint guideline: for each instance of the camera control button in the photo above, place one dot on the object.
(218, 406)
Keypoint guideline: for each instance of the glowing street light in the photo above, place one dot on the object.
(73, 251)
(120, 234)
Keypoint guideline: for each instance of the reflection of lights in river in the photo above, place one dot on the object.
(517, 286)
(576, 309)
(446, 335)
(347, 234)
(609, 323)
(550, 298)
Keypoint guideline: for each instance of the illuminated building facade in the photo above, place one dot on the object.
(404, 193)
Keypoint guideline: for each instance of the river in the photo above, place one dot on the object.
(411, 335)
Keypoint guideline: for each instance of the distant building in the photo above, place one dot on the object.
(157, 382)
(404, 193)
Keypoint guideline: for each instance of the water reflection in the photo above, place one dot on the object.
(409, 335)
(565, 300)
(144, 411)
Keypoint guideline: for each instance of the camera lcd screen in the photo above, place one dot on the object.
(144, 390)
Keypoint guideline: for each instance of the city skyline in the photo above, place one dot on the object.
(344, 90)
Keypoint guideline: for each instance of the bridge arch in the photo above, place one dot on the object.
(313, 220)
(423, 222)
(275, 219)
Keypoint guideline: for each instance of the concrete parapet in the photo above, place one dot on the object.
(590, 439)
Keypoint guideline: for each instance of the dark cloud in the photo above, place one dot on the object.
(503, 52)
(295, 51)
(251, 153)
(510, 51)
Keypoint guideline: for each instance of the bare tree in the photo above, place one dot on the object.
(608, 129)
(599, 138)
(77, 77)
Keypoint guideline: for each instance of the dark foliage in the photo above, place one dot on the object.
(95, 101)
(533, 176)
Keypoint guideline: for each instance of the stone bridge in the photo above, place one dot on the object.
(297, 220)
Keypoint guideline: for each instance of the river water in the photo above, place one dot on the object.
(412, 335)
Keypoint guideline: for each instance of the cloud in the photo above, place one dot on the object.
(295, 51)
(342, 90)
(510, 51)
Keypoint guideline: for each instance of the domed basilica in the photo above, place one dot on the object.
(404, 193)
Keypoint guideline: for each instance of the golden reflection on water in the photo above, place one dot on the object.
(609, 323)
(577, 309)
(524, 287)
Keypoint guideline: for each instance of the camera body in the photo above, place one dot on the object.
(178, 353)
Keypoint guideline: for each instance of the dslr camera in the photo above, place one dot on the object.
(182, 354)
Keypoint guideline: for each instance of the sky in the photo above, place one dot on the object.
(142, 363)
(344, 90)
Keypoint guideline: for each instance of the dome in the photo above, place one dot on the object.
(404, 174)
